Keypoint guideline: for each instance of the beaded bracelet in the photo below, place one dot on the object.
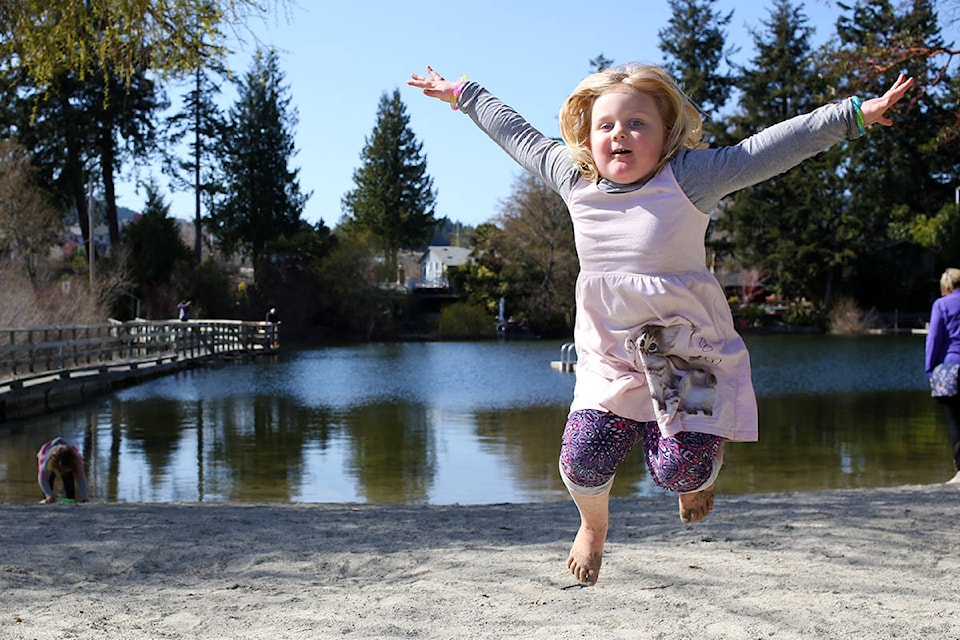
(858, 113)
(457, 90)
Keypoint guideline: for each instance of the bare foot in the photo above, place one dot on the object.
(954, 480)
(695, 506)
(586, 555)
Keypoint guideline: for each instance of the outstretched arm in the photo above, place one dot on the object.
(709, 175)
(875, 108)
(544, 157)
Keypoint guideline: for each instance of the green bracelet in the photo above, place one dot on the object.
(858, 113)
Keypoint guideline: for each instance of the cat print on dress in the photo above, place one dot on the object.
(676, 384)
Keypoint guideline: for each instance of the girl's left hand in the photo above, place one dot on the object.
(434, 86)
(874, 108)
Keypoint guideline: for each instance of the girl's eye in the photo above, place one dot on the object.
(605, 126)
(636, 122)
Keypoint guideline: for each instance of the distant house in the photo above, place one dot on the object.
(101, 238)
(101, 233)
(434, 264)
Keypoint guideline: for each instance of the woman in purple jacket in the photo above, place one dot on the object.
(943, 346)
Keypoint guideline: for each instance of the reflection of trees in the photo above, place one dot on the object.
(113, 459)
(528, 438)
(808, 443)
(261, 443)
(393, 459)
(157, 426)
(201, 471)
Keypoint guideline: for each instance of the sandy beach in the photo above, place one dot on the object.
(879, 563)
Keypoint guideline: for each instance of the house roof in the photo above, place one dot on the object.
(449, 256)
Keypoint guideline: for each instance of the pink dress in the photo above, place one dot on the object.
(647, 307)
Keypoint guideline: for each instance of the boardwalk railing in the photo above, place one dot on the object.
(32, 353)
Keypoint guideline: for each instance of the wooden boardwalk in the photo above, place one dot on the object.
(47, 368)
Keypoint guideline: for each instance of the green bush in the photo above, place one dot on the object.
(802, 313)
(466, 320)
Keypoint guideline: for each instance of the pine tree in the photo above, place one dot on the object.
(154, 245)
(76, 128)
(202, 125)
(795, 227)
(51, 124)
(121, 110)
(901, 179)
(394, 197)
(898, 173)
(263, 199)
(695, 45)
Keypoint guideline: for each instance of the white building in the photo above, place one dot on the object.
(435, 262)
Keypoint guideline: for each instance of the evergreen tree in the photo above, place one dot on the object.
(76, 128)
(600, 63)
(694, 45)
(394, 197)
(123, 119)
(902, 172)
(263, 201)
(868, 58)
(796, 227)
(51, 124)
(901, 179)
(203, 126)
(91, 65)
(154, 248)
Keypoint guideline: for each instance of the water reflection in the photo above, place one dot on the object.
(470, 423)
(392, 454)
(843, 440)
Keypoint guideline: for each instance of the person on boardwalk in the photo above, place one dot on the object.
(59, 457)
(183, 307)
(943, 347)
(273, 318)
(658, 359)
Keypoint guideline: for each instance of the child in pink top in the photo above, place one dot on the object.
(59, 457)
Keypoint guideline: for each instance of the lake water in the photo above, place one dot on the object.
(470, 423)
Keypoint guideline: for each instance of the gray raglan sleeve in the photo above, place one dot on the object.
(707, 175)
(544, 157)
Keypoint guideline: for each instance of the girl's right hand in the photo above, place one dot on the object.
(433, 85)
(873, 109)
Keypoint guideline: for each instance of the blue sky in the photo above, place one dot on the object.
(340, 57)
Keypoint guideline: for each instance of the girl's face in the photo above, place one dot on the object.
(627, 135)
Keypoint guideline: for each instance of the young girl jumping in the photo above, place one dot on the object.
(658, 359)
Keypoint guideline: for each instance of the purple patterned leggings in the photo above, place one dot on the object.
(594, 443)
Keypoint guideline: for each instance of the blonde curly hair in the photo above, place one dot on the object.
(684, 125)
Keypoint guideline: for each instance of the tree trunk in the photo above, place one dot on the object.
(107, 165)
